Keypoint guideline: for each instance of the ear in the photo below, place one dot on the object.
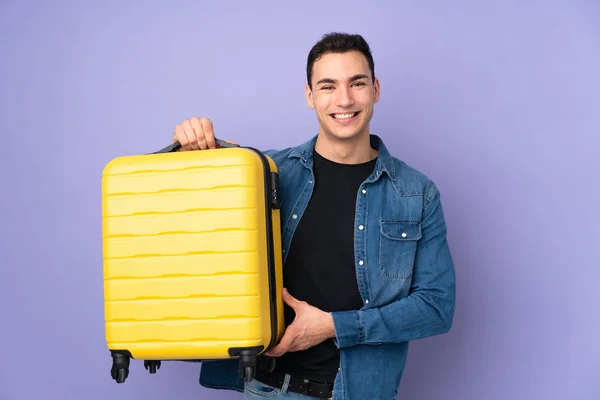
(377, 89)
(309, 97)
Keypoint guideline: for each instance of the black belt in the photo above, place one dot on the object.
(320, 390)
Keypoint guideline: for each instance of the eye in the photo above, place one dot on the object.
(358, 84)
(326, 87)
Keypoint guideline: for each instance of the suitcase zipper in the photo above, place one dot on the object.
(272, 201)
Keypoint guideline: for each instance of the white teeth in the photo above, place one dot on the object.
(343, 116)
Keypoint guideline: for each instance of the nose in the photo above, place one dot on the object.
(344, 97)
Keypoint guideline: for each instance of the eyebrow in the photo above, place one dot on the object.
(354, 78)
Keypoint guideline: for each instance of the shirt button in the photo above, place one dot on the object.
(361, 262)
(364, 191)
(294, 216)
(309, 181)
(361, 227)
(403, 234)
(367, 301)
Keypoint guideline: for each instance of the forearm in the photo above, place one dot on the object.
(417, 316)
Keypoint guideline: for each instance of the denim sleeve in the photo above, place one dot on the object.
(428, 310)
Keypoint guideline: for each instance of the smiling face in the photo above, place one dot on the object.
(343, 95)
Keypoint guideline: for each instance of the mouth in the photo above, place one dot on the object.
(344, 118)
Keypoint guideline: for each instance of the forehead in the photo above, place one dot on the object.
(340, 66)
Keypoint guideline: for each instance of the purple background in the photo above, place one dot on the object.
(499, 104)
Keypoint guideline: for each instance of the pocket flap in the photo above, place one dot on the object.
(397, 230)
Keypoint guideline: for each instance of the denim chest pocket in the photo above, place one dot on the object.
(397, 248)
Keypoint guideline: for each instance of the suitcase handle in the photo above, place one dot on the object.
(176, 145)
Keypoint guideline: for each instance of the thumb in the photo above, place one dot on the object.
(289, 299)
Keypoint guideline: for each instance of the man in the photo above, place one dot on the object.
(366, 262)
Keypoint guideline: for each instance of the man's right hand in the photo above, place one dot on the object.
(195, 134)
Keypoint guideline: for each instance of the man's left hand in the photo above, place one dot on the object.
(311, 326)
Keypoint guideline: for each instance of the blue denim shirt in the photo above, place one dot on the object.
(403, 266)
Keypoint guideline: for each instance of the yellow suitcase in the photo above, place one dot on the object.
(192, 257)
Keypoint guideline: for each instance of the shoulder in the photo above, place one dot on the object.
(279, 155)
(406, 179)
(281, 158)
(411, 181)
(290, 156)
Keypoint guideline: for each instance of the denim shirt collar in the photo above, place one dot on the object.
(385, 161)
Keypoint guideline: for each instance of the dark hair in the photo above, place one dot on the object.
(336, 42)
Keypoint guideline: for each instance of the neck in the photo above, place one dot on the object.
(351, 151)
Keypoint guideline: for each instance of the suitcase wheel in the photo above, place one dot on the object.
(248, 374)
(247, 366)
(120, 367)
(121, 375)
(151, 366)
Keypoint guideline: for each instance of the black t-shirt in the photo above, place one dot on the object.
(320, 264)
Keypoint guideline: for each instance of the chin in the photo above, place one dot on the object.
(345, 135)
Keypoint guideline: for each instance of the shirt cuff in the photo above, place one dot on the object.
(349, 330)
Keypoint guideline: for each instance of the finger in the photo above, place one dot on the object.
(282, 347)
(209, 133)
(180, 137)
(192, 135)
(276, 351)
(199, 133)
(184, 138)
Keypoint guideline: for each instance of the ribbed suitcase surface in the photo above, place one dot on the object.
(186, 255)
